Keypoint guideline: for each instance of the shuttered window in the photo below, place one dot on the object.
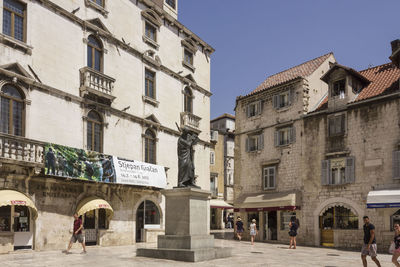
(285, 136)
(253, 109)
(337, 125)
(283, 99)
(396, 165)
(254, 143)
(338, 171)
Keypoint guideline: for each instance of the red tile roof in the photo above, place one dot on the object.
(384, 79)
(300, 71)
(225, 115)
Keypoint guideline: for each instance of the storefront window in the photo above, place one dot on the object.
(21, 219)
(102, 219)
(5, 216)
(339, 218)
(285, 219)
(395, 218)
(152, 215)
(251, 216)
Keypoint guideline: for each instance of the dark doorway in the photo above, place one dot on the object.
(140, 223)
(272, 225)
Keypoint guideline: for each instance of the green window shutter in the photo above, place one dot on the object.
(325, 172)
(275, 101)
(248, 111)
(247, 144)
(396, 165)
(349, 172)
(259, 107)
(276, 138)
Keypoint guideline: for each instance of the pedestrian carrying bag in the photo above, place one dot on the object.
(391, 248)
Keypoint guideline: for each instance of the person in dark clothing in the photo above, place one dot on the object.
(239, 228)
(51, 162)
(396, 252)
(293, 226)
(369, 247)
(77, 235)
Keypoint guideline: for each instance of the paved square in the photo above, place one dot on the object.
(244, 254)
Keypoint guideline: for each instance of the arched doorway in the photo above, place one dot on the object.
(17, 216)
(147, 217)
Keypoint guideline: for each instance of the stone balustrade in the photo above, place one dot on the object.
(96, 82)
(21, 149)
(190, 120)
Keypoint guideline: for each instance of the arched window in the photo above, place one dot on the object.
(150, 147)
(94, 132)
(188, 100)
(94, 53)
(339, 217)
(11, 111)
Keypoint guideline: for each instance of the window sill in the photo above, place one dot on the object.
(150, 101)
(96, 7)
(269, 189)
(284, 146)
(283, 109)
(255, 117)
(150, 42)
(254, 152)
(189, 66)
(14, 43)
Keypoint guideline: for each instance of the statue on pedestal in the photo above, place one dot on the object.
(185, 159)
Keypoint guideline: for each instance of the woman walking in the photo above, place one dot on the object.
(293, 226)
(239, 228)
(253, 230)
(396, 252)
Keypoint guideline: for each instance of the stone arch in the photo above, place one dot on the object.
(331, 202)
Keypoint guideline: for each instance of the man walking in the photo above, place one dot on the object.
(369, 246)
(77, 234)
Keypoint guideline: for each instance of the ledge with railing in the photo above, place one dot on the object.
(190, 120)
(21, 149)
(95, 82)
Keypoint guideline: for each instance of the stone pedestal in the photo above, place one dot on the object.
(187, 235)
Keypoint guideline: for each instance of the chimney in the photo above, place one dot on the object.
(395, 45)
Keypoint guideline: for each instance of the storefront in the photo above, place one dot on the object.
(220, 211)
(148, 221)
(17, 218)
(272, 212)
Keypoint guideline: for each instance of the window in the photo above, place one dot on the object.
(254, 143)
(14, 16)
(395, 218)
(283, 99)
(171, 3)
(339, 217)
(102, 219)
(150, 31)
(214, 186)
(338, 171)
(188, 99)
(21, 219)
(269, 177)
(150, 147)
(396, 165)
(94, 53)
(150, 83)
(212, 157)
(286, 216)
(253, 109)
(5, 217)
(94, 132)
(337, 125)
(339, 89)
(11, 111)
(285, 136)
(188, 57)
(98, 2)
(151, 212)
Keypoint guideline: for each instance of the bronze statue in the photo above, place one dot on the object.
(185, 159)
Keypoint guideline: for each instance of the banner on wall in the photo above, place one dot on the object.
(76, 163)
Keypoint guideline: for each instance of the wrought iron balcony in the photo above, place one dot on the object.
(96, 83)
(17, 149)
(190, 121)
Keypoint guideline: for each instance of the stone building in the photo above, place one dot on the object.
(221, 170)
(269, 146)
(96, 78)
(342, 164)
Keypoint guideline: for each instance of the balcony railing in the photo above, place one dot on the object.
(191, 121)
(16, 148)
(96, 83)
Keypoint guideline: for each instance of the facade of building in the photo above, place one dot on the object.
(268, 146)
(94, 78)
(341, 165)
(221, 170)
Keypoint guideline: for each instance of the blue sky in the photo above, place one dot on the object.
(257, 38)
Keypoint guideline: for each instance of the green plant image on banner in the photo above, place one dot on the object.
(78, 163)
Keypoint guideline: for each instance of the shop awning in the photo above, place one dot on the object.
(219, 203)
(12, 197)
(93, 203)
(383, 199)
(268, 201)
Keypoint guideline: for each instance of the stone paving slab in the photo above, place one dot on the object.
(244, 254)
